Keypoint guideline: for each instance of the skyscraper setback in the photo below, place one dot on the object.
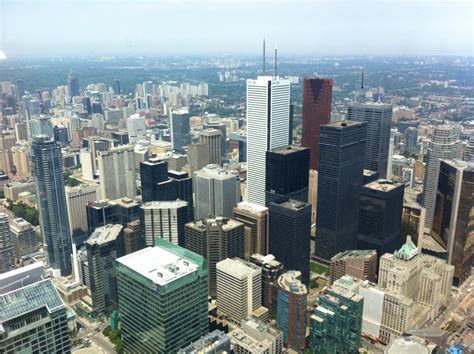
(317, 98)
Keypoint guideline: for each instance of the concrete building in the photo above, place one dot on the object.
(180, 129)
(217, 192)
(255, 219)
(239, 288)
(198, 156)
(132, 236)
(172, 282)
(21, 161)
(413, 222)
(117, 173)
(256, 337)
(215, 239)
(361, 264)
(212, 138)
(136, 127)
(216, 342)
(7, 246)
(24, 237)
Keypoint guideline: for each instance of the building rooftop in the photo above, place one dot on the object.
(238, 268)
(290, 282)
(251, 207)
(408, 250)
(289, 149)
(158, 264)
(104, 234)
(207, 343)
(227, 223)
(383, 185)
(216, 172)
(168, 204)
(269, 259)
(355, 254)
(407, 345)
(291, 204)
(344, 123)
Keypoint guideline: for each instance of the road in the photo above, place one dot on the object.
(94, 334)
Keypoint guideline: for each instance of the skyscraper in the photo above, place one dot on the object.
(216, 190)
(7, 246)
(213, 121)
(411, 139)
(380, 216)
(117, 172)
(255, 219)
(136, 127)
(48, 172)
(287, 173)
(24, 237)
(117, 90)
(379, 119)
(291, 310)
(215, 240)
(212, 138)
(443, 145)
(453, 224)
(198, 155)
(162, 294)
(290, 235)
(340, 174)
(152, 173)
(73, 87)
(317, 96)
(180, 129)
(268, 111)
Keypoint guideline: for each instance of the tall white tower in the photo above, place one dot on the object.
(268, 119)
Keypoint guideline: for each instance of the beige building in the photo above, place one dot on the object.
(76, 200)
(256, 337)
(361, 264)
(397, 316)
(212, 137)
(313, 193)
(21, 160)
(255, 219)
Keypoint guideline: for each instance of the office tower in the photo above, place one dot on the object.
(411, 139)
(41, 125)
(214, 123)
(413, 222)
(86, 102)
(443, 145)
(468, 150)
(271, 271)
(290, 235)
(136, 127)
(340, 174)
(216, 190)
(216, 342)
(378, 117)
(454, 208)
(73, 87)
(291, 310)
(198, 156)
(380, 216)
(152, 173)
(212, 138)
(117, 172)
(255, 219)
(7, 246)
(61, 135)
(34, 319)
(268, 111)
(256, 336)
(132, 237)
(104, 246)
(243, 149)
(121, 138)
(117, 87)
(21, 131)
(165, 219)
(24, 237)
(48, 172)
(287, 173)
(183, 184)
(180, 129)
(239, 288)
(215, 240)
(171, 279)
(361, 264)
(317, 96)
(335, 326)
(76, 200)
(397, 315)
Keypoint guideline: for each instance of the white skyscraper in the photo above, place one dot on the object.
(136, 128)
(268, 119)
(76, 200)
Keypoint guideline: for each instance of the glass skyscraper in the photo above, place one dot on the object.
(180, 129)
(48, 172)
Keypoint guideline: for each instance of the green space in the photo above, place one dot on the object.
(26, 212)
(70, 181)
(115, 337)
(318, 268)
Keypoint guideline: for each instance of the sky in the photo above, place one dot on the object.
(32, 28)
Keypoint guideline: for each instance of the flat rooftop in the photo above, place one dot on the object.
(159, 265)
(251, 207)
(238, 268)
(355, 253)
(165, 204)
(217, 172)
(343, 123)
(383, 185)
(290, 149)
(227, 223)
(104, 234)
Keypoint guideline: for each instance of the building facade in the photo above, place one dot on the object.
(24, 237)
(180, 129)
(361, 264)
(255, 219)
(212, 138)
(7, 245)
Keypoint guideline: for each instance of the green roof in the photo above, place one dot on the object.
(408, 250)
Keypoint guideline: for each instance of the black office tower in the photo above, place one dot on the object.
(340, 174)
(117, 87)
(380, 216)
(184, 189)
(290, 235)
(287, 173)
(152, 173)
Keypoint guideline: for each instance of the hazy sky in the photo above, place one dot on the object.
(319, 27)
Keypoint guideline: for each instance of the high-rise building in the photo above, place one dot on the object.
(21, 160)
(255, 219)
(61, 135)
(271, 271)
(48, 172)
(215, 240)
(76, 200)
(287, 173)
(212, 138)
(291, 310)
(104, 246)
(198, 156)
(411, 139)
(117, 90)
(132, 236)
(361, 264)
(73, 87)
(268, 112)
(379, 120)
(136, 127)
(254, 336)
(216, 190)
(468, 150)
(215, 123)
(340, 175)
(180, 129)
(380, 216)
(7, 246)
(290, 235)
(153, 173)
(454, 208)
(117, 172)
(335, 326)
(162, 293)
(34, 319)
(164, 220)
(317, 96)
(216, 342)
(413, 223)
(24, 237)
(239, 288)
(443, 145)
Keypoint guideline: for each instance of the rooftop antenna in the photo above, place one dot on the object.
(264, 72)
(362, 80)
(357, 92)
(275, 64)
(380, 92)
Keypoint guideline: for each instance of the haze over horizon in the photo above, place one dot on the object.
(341, 27)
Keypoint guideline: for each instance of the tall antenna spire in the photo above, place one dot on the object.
(275, 63)
(380, 92)
(362, 80)
(264, 72)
